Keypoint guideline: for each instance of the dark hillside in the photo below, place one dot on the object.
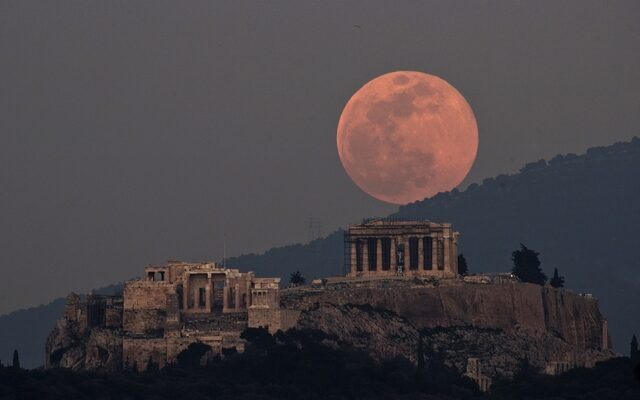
(582, 213)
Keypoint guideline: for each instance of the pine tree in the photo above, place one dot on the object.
(557, 281)
(16, 359)
(526, 266)
(463, 268)
(633, 353)
(296, 279)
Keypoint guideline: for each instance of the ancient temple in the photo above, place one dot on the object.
(385, 247)
(180, 303)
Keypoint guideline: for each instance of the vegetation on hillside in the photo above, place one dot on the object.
(560, 207)
(311, 365)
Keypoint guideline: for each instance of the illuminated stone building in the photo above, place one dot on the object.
(384, 247)
(181, 303)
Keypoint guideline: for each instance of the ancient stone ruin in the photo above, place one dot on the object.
(402, 284)
(173, 306)
(382, 247)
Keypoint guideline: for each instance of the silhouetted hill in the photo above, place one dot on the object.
(581, 213)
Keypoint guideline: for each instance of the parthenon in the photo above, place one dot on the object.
(384, 247)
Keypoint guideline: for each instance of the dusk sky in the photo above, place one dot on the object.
(133, 132)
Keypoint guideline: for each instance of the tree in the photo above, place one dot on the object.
(526, 371)
(463, 268)
(192, 356)
(296, 279)
(16, 359)
(557, 281)
(152, 366)
(526, 266)
(633, 353)
(420, 355)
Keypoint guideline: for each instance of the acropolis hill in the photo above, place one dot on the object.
(402, 282)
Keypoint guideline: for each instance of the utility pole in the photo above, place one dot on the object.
(224, 251)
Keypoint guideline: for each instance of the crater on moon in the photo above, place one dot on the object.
(407, 135)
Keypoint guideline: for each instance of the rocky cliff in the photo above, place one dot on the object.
(502, 324)
(69, 346)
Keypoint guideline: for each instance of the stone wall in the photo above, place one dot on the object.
(146, 295)
(138, 352)
(273, 319)
(145, 322)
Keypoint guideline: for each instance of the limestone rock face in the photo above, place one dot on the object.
(501, 324)
(70, 346)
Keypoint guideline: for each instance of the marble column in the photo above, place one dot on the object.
(394, 255)
(447, 253)
(420, 254)
(434, 252)
(225, 298)
(454, 252)
(378, 254)
(353, 259)
(207, 295)
(365, 254)
(238, 305)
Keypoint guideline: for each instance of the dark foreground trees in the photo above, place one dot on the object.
(312, 365)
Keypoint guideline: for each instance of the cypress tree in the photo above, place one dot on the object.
(557, 281)
(463, 268)
(16, 359)
(633, 353)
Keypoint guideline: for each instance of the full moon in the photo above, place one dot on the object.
(406, 135)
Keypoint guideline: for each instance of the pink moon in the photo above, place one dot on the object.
(406, 135)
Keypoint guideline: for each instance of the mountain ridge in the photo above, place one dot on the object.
(579, 211)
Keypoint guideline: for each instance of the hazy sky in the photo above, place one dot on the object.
(136, 131)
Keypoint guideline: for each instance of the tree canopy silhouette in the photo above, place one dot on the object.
(526, 266)
(296, 279)
(192, 356)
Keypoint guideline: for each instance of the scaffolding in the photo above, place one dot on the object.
(416, 254)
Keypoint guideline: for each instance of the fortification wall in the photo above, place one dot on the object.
(273, 319)
(138, 352)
